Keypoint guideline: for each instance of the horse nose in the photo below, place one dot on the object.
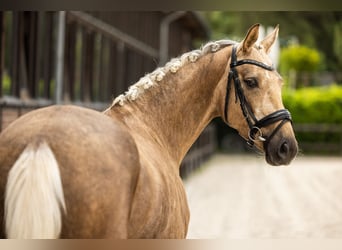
(286, 151)
(283, 150)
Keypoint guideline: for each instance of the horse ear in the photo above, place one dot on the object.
(270, 39)
(251, 38)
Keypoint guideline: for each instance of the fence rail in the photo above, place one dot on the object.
(96, 25)
(328, 147)
(200, 151)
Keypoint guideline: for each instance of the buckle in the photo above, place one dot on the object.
(255, 131)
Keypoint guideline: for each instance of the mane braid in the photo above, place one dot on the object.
(172, 66)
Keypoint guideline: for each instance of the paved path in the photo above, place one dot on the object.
(243, 197)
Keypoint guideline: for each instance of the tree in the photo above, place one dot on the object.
(314, 29)
(337, 43)
(296, 61)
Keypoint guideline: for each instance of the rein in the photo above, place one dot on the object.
(254, 124)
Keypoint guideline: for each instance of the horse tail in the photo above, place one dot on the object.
(34, 199)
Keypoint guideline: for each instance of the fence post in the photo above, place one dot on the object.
(164, 35)
(2, 49)
(341, 142)
(60, 57)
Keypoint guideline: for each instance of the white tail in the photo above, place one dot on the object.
(34, 195)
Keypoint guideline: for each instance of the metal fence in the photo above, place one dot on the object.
(200, 151)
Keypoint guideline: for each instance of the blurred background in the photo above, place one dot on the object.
(88, 58)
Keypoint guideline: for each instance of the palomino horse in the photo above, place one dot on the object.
(72, 172)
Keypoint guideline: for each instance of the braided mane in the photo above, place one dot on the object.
(172, 66)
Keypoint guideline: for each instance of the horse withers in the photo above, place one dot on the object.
(71, 172)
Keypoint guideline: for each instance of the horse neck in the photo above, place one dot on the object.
(179, 107)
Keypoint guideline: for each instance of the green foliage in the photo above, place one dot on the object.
(6, 84)
(315, 104)
(315, 29)
(222, 25)
(299, 58)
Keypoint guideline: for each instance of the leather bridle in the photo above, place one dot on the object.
(254, 124)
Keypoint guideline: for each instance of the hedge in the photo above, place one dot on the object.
(315, 105)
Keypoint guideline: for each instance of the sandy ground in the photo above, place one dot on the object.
(241, 197)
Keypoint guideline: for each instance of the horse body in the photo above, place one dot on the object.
(112, 189)
(98, 173)
(119, 169)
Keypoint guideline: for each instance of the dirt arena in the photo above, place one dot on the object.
(241, 197)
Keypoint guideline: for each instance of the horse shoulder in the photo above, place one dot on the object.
(159, 208)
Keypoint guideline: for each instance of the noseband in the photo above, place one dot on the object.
(254, 124)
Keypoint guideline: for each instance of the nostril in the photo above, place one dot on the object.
(283, 150)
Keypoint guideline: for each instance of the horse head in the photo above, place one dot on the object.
(253, 102)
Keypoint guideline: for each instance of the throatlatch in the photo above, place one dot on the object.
(254, 124)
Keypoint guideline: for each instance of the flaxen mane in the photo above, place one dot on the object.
(157, 75)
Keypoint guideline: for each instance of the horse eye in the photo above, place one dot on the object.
(251, 82)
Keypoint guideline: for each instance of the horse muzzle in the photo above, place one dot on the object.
(281, 150)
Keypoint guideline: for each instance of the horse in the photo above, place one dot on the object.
(72, 172)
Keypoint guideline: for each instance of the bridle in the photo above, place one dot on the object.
(254, 124)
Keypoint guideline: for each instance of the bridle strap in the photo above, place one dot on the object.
(273, 117)
(249, 61)
(254, 124)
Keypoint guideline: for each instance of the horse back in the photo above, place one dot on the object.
(98, 162)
